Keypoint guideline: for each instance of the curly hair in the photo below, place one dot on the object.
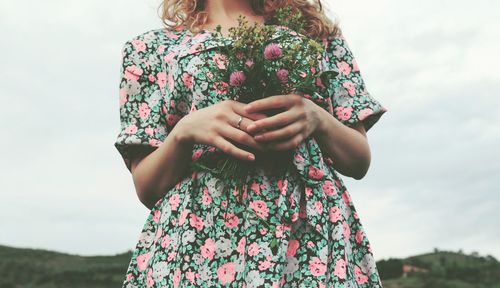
(192, 14)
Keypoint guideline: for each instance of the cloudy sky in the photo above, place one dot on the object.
(431, 184)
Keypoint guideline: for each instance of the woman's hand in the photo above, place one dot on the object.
(300, 119)
(216, 124)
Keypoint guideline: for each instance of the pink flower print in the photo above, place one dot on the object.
(308, 191)
(196, 222)
(171, 255)
(295, 216)
(265, 264)
(162, 79)
(349, 86)
(197, 154)
(343, 113)
(282, 75)
(208, 249)
(347, 230)
(187, 79)
(240, 55)
(132, 129)
(317, 267)
(133, 72)
(340, 269)
(149, 279)
(260, 208)
(221, 87)
(299, 158)
(194, 48)
(241, 245)
(142, 261)
(223, 203)
(283, 185)
(315, 173)
(280, 228)
(249, 63)
(144, 110)
(335, 214)
(364, 113)
(206, 199)
(149, 130)
(355, 215)
(346, 197)
(319, 207)
(174, 201)
(219, 60)
(344, 67)
(255, 187)
(360, 277)
(210, 75)
(272, 51)
(161, 49)
(169, 57)
(190, 276)
(139, 45)
(165, 241)
(226, 273)
(231, 220)
(172, 119)
(177, 277)
(359, 236)
(183, 216)
(151, 78)
(329, 188)
(310, 244)
(253, 249)
(237, 78)
(123, 97)
(293, 245)
(319, 83)
(263, 231)
(156, 216)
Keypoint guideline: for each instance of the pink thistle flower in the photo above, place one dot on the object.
(282, 75)
(237, 78)
(272, 51)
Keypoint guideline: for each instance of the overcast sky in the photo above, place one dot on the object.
(431, 184)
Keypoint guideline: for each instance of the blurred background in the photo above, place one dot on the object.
(433, 181)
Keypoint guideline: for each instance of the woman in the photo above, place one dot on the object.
(171, 114)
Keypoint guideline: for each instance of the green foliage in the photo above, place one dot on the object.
(444, 269)
(46, 269)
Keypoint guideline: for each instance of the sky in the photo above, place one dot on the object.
(431, 182)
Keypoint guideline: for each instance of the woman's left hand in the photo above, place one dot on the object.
(300, 119)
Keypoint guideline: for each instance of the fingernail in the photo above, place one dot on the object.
(251, 157)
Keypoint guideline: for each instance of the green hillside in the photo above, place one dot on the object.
(45, 269)
(441, 269)
(33, 268)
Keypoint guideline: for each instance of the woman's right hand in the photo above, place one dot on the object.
(215, 125)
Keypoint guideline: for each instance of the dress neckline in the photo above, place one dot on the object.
(212, 33)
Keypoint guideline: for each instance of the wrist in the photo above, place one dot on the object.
(181, 135)
(322, 121)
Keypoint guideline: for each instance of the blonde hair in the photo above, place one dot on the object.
(192, 14)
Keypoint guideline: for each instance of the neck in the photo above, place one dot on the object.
(220, 11)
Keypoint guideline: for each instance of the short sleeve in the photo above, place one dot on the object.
(141, 100)
(351, 102)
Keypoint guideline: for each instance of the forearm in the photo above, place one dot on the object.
(161, 169)
(347, 147)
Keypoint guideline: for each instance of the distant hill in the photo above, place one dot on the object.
(441, 269)
(46, 269)
(34, 268)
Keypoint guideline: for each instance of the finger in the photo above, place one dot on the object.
(286, 132)
(229, 148)
(286, 145)
(238, 108)
(270, 102)
(240, 136)
(278, 120)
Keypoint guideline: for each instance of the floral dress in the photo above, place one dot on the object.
(196, 236)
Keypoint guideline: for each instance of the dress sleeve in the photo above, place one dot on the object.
(351, 102)
(141, 100)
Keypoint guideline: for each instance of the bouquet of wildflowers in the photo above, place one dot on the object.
(259, 65)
